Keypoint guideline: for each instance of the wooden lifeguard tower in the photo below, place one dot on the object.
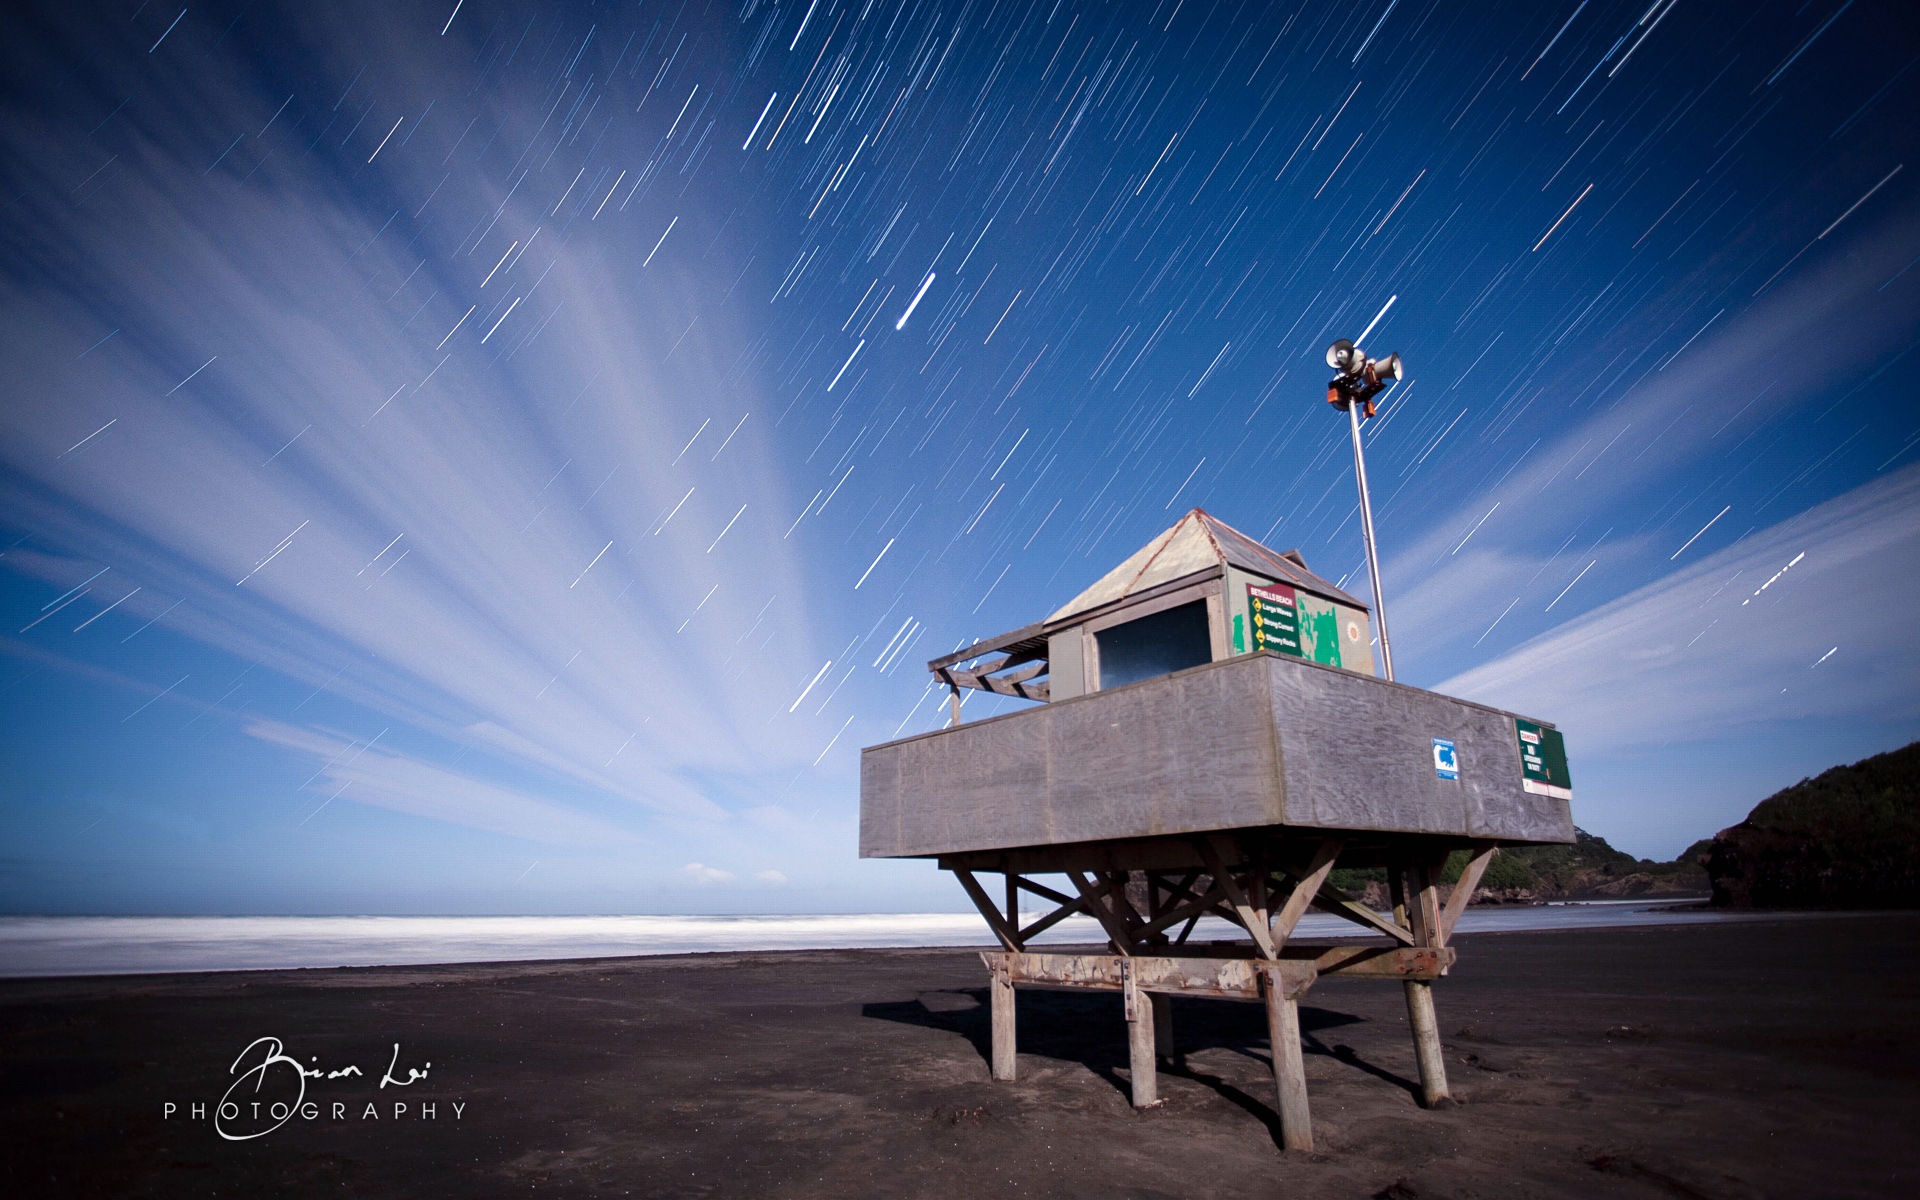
(1212, 740)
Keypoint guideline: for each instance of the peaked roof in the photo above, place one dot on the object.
(1197, 541)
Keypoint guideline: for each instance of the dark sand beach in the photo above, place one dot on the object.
(1771, 1058)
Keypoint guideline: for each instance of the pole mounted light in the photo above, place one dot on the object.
(1360, 379)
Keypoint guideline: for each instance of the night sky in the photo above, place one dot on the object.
(510, 457)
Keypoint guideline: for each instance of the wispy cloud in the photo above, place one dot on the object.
(1445, 587)
(353, 772)
(494, 470)
(1742, 639)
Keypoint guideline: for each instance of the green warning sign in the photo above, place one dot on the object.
(1543, 760)
(1275, 612)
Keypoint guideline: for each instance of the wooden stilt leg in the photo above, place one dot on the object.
(1426, 1043)
(1004, 1047)
(1163, 1027)
(1289, 1067)
(1423, 912)
(1140, 1061)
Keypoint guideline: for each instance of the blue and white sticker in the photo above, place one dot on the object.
(1446, 760)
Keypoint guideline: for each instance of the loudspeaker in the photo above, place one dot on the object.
(1386, 368)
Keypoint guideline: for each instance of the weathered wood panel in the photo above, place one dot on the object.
(1224, 978)
(1362, 961)
(1067, 665)
(1256, 740)
(1359, 755)
(946, 789)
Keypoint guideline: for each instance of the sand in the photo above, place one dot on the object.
(1776, 1058)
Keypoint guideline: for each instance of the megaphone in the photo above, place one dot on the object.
(1340, 356)
(1386, 368)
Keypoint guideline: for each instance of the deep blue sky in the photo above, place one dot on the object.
(436, 454)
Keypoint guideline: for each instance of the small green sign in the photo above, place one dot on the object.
(1275, 610)
(1543, 760)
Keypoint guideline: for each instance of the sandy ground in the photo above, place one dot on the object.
(1777, 1058)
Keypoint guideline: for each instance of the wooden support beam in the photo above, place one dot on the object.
(1043, 891)
(1483, 853)
(1090, 897)
(1159, 854)
(1289, 1063)
(1378, 962)
(1224, 879)
(1051, 919)
(1307, 885)
(1121, 905)
(1194, 908)
(960, 675)
(1021, 667)
(1009, 937)
(1112, 887)
(1015, 684)
(982, 648)
(1185, 889)
(1328, 899)
(1178, 892)
(955, 699)
(1013, 901)
(1369, 961)
(1142, 1068)
(1004, 1046)
(1426, 1043)
(1030, 671)
(1423, 905)
(1221, 978)
(1423, 914)
(1163, 1027)
(1257, 892)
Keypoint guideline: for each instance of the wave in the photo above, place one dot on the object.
(36, 946)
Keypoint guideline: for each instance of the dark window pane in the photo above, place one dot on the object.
(1171, 640)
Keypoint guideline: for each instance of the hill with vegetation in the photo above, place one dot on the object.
(1588, 869)
(1848, 838)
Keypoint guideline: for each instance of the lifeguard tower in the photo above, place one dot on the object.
(1211, 740)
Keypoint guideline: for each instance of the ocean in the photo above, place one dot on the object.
(33, 946)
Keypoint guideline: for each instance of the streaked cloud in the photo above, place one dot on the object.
(1598, 490)
(1811, 618)
(465, 534)
(355, 772)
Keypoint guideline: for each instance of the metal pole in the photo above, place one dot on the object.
(1366, 529)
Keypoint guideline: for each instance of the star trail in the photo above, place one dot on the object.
(564, 384)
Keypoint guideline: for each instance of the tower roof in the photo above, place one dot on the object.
(1197, 541)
